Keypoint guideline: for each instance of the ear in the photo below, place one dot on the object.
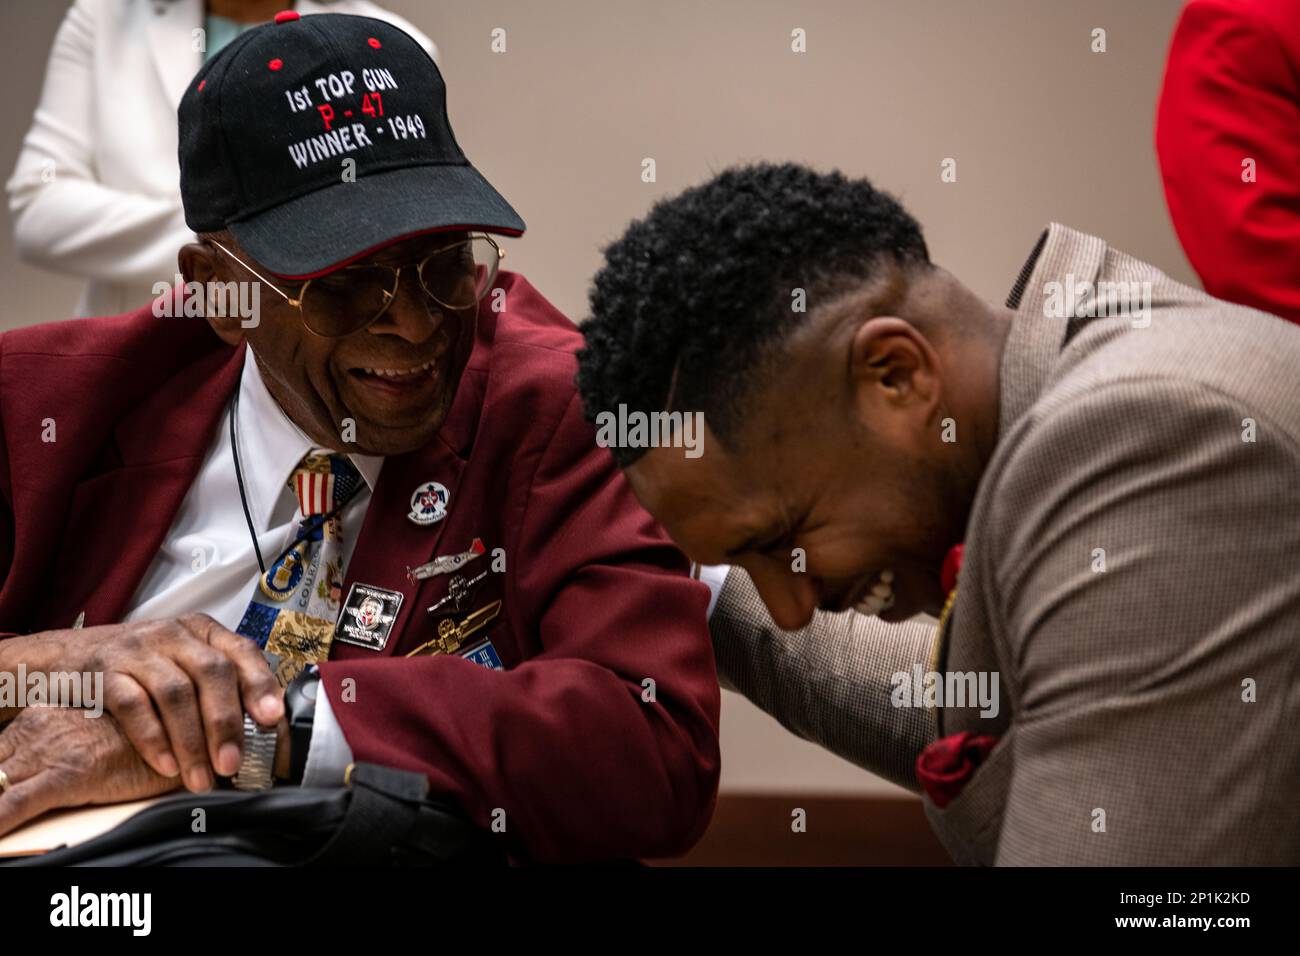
(893, 368)
(199, 262)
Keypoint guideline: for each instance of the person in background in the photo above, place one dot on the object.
(1228, 138)
(96, 189)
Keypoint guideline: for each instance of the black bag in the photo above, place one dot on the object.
(382, 818)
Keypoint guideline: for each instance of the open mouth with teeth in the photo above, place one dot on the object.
(880, 597)
(388, 390)
(397, 375)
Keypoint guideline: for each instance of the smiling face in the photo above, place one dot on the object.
(800, 313)
(395, 379)
(852, 521)
(849, 468)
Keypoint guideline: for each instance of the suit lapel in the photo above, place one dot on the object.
(1033, 345)
(390, 542)
(118, 520)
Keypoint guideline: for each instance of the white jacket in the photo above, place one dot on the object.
(96, 190)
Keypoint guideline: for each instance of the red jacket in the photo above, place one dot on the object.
(1231, 93)
(595, 597)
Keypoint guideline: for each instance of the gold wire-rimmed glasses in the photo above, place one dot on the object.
(350, 299)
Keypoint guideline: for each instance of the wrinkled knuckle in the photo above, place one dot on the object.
(229, 726)
(129, 699)
(131, 640)
(195, 621)
(218, 668)
(152, 740)
(175, 693)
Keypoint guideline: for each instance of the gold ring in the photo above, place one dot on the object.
(4, 782)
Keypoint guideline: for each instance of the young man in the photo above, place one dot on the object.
(1113, 678)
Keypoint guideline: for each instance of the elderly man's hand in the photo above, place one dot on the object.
(178, 688)
(62, 757)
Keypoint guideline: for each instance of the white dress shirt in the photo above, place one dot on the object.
(207, 563)
(715, 576)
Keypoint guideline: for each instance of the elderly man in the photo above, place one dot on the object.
(378, 480)
(1112, 680)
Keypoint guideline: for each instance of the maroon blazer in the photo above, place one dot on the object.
(595, 598)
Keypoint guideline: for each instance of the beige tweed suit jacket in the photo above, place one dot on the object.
(1131, 574)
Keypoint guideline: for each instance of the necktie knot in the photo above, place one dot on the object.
(323, 481)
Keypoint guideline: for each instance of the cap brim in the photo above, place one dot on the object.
(331, 227)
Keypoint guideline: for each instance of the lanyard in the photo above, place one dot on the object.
(308, 527)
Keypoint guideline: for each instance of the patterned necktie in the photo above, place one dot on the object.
(296, 602)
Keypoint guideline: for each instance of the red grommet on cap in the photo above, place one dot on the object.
(287, 16)
(275, 64)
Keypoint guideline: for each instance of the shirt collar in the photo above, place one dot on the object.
(1034, 343)
(271, 445)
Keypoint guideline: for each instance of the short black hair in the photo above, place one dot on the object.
(692, 296)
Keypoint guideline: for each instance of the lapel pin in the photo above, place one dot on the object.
(445, 563)
(368, 616)
(429, 503)
(452, 634)
(459, 591)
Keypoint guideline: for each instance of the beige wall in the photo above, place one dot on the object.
(1042, 129)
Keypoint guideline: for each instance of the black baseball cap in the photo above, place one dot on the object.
(266, 125)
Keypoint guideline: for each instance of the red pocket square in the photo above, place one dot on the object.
(945, 766)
